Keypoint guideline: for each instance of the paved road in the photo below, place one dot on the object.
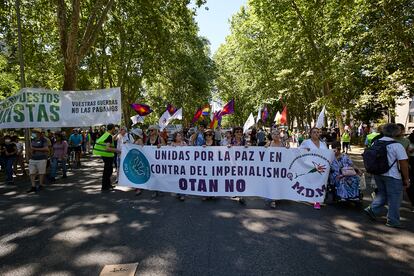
(73, 229)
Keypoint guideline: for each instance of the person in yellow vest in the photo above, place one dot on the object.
(373, 136)
(105, 148)
(346, 140)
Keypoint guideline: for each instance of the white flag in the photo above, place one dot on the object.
(278, 117)
(178, 115)
(215, 107)
(137, 119)
(321, 118)
(164, 120)
(249, 123)
(259, 115)
(411, 111)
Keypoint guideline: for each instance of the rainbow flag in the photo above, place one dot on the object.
(141, 109)
(216, 120)
(205, 110)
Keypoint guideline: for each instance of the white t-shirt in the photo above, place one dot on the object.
(394, 152)
(308, 144)
(127, 138)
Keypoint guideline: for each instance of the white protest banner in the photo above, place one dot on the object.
(34, 107)
(275, 173)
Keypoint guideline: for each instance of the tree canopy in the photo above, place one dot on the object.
(355, 57)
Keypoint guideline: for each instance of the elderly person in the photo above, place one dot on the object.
(390, 184)
(138, 135)
(346, 182)
(314, 143)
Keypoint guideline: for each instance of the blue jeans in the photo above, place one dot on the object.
(390, 192)
(8, 162)
(54, 164)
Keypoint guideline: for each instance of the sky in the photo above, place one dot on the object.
(214, 21)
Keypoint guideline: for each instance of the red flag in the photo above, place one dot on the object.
(283, 118)
(197, 115)
(228, 108)
(141, 109)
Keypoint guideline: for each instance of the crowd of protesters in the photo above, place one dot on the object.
(58, 150)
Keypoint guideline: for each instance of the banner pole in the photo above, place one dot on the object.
(22, 75)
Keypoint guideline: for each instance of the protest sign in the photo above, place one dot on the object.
(34, 107)
(275, 173)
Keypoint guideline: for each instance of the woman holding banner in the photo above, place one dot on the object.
(208, 142)
(178, 141)
(278, 143)
(238, 140)
(154, 139)
(314, 143)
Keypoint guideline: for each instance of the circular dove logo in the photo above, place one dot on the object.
(136, 167)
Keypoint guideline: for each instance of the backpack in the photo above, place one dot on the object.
(376, 159)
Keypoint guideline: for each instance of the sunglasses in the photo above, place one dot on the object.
(209, 134)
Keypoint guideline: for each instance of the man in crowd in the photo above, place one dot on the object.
(105, 148)
(37, 164)
(75, 144)
(390, 184)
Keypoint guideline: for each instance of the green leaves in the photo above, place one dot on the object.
(315, 53)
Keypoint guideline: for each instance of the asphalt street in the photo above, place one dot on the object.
(71, 228)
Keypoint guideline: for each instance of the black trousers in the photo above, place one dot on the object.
(107, 173)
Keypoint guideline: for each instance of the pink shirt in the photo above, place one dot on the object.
(60, 150)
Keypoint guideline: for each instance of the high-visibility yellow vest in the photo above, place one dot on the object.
(100, 146)
(370, 137)
(346, 138)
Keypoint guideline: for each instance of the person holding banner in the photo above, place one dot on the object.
(105, 148)
(238, 140)
(314, 143)
(227, 139)
(154, 139)
(197, 139)
(208, 142)
(138, 138)
(278, 143)
(178, 141)
(122, 137)
(37, 163)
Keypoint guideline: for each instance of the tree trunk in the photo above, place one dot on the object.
(70, 76)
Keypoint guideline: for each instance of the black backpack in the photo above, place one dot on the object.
(375, 157)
